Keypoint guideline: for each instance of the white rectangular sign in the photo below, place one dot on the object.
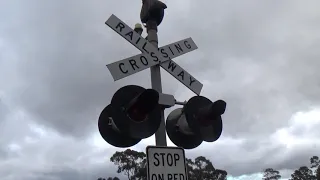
(166, 163)
(134, 64)
(183, 76)
(151, 54)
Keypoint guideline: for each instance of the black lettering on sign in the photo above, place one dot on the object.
(123, 71)
(191, 81)
(164, 53)
(187, 44)
(120, 26)
(138, 40)
(130, 34)
(152, 54)
(169, 159)
(162, 155)
(144, 47)
(172, 65)
(176, 158)
(181, 74)
(171, 51)
(159, 177)
(156, 155)
(144, 60)
(176, 176)
(133, 64)
(178, 47)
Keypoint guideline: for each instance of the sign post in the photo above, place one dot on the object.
(160, 134)
(166, 163)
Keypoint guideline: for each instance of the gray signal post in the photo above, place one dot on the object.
(152, 30)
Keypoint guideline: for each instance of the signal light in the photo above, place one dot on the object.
(199, 120)
(144, 104)
(179, 132)
(133, 114)
(110, 133)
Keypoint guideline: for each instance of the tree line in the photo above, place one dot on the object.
(133, 165)
(311, 172)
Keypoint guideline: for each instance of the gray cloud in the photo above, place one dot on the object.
(262, 58)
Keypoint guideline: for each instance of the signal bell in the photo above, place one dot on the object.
(199, 120)
(133, 114)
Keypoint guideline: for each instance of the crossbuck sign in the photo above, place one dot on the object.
(151, 56)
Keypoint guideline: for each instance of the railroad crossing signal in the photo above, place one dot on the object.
(135, 112)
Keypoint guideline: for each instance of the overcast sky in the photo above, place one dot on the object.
(261, 57)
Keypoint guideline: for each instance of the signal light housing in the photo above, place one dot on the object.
(110, 133)
(133, 114)
(199, 120)
(179, 132)
(204, 117)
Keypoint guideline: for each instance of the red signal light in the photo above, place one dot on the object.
(141, 106)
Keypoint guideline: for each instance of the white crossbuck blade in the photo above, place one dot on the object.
(151, 56)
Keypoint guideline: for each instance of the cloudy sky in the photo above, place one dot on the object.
(261, 57)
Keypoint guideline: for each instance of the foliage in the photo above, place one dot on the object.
(133, 164)
(303, 173)
(109, 178)
(142, 171)
(220, 174)
(271, 174)
(314, 161)
(202, 168)
(307, 173)
(129, 162)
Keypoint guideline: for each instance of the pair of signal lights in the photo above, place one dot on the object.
(135, 114)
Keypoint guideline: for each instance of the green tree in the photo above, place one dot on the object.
(142, 171)
(220, 174)
(129, 162)
(271, 174)
(303, 173)
(116, 178)
(200, 168)
(315, 162)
